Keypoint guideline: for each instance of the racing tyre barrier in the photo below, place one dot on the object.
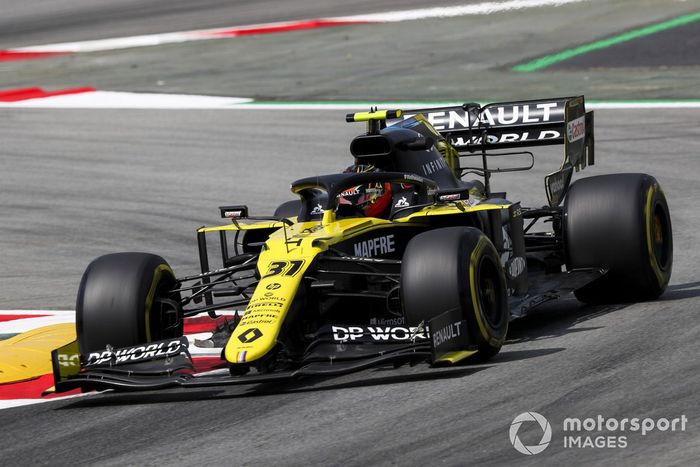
(620, 222)
(457, 268)
(119, 302)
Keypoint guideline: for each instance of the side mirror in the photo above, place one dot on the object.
(454, 194)
(234, 212)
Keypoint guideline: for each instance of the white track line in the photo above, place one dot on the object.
(19, 325)
(129, 100)
(485, 8)
(134, 100)
(10, 403)
(603, 105)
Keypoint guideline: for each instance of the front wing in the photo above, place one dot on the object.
(335, 350)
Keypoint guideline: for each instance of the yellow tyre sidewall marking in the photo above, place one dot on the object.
(650, 233)
(473, 261)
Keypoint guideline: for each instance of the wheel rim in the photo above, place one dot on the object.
(165, 320)
(489, 285)
(660, 237)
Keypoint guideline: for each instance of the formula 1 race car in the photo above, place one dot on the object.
(397, 260)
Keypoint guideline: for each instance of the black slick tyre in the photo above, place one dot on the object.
(457, 268)
(120, 302)
(619, 222)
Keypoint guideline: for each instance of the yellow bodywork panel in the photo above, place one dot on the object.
(244, 226)
(455, 357)
(282, 264)
(28, 355)
(286, 256)
(375, 115)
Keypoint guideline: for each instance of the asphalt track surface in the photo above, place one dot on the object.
(464, 58)
(677, 47)
(32, 23)
(78, 184)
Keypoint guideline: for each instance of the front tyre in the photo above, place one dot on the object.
(124, 300)
(457, 268)
(619, 222)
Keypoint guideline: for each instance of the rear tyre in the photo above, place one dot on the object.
(120, 302)
(457, 268)
(620, 222)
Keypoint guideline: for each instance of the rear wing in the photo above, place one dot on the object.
(505, 125)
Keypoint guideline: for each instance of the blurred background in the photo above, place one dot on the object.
(469, 51)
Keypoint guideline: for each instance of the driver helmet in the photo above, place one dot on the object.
(372, 199)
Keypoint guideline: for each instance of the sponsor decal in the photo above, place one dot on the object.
(433, 166)
(350, 192)
(412, 177)
(318, 209)
(507, 248)
(557, 184)
(375, 246)
(138, 353)
(504, 115)
(269, 297)
(260, 314)
(377, 333)
(450, 332)
(273, 286)
(250, 335)
(398, 321)
(257, 314)
(402, 203)
(233, 214)
(516, 266)
(576, 129)
(507, 138)
(264, 305)
(257, 321)
(472, 201)
(450, 197)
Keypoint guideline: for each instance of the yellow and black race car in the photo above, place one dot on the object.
(396, 260)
